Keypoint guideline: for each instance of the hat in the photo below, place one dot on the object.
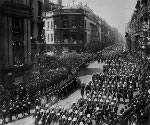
(115, 99)
(74, 102)
(70, 110)
(76, 111)
(95, 100)
(81, 123)
(37, 107)
(47, 111)
(69, 118)
(74, 119)
(104, 96)
(42, 110)
(107, 101)
(63, 117)
(149, 91)
(89, 99)
(110, 97)
(80, 113)
(88, 115)
(53, 112)
(112, 103)
(40, 122)
(58, 114)
(97, 108)
(46, 105)
(101, 100)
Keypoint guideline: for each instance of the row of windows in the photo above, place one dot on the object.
(48, 37)
(65, 24)
(48, 25)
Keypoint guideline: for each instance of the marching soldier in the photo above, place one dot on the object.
(4, 112)
(82, 89)
(28, 105)
(10, 106)
(89, 121)
(24, 107)
(16, 107)
(124, 93)
(97, 116)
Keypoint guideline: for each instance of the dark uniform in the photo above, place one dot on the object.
(10, 106)
(4, 112)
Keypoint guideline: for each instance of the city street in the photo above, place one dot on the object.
(49, 46)
(84, 75)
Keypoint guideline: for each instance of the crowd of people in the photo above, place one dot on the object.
(101, 98)
(16, 99)
(19, 99)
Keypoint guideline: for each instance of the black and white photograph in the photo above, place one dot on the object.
(74, 62)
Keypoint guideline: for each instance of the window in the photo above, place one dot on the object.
(65, 24)
(48, 25)
(48, 38)
(51, 37)
(17, 25)
(55, 24)
(51, 25)
(73, 21)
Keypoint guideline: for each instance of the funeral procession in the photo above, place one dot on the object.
(74, 62)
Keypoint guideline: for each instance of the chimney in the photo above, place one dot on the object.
(59, 2)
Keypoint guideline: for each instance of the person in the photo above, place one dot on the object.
(10, 107)
(97, 116)
(89, 121)
(28, 105)
(82, 89)
(4, 112)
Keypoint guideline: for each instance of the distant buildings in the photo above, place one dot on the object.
(139, 26)
(76, 28)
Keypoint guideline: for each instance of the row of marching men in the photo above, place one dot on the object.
(15, 107)
(58, 91)
(90, 110)
(137, 112)
(22, 103)
(99, 105)
(124, 68)
(123, 87)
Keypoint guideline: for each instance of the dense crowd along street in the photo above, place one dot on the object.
(50, 85)
(74, 62)
(122, 78)
(102, 96)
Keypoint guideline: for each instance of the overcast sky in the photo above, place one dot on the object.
(116, 12)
